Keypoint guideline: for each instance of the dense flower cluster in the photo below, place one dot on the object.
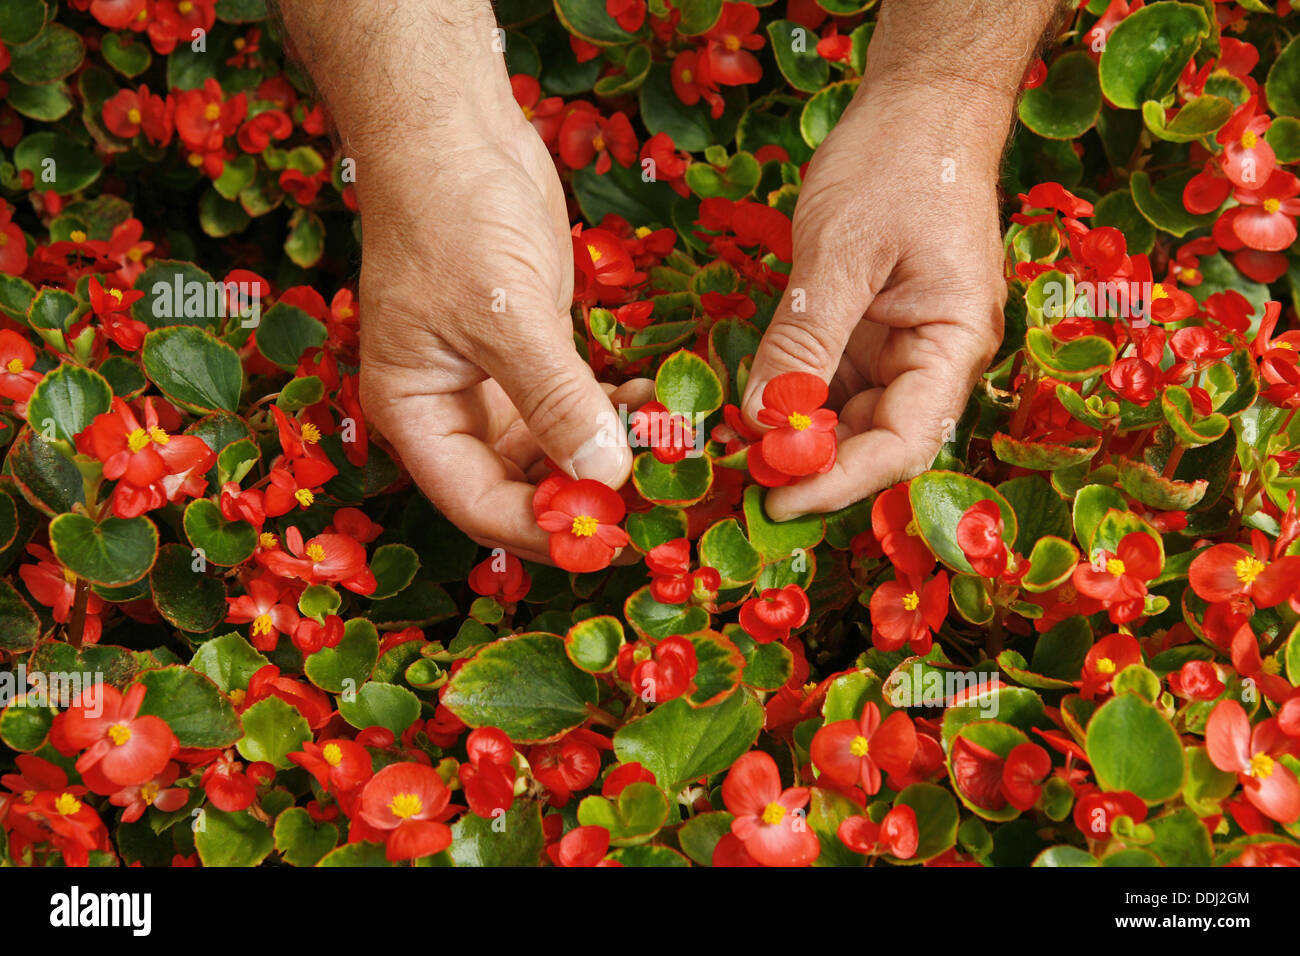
(1084, 618)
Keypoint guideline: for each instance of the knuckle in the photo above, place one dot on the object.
(550, 401)
(801, 345)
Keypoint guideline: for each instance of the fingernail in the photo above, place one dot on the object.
(600, 458)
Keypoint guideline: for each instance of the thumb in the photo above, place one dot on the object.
(564, 407)
(809, 330)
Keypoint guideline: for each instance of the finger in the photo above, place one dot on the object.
(907, 424)
(563, 405)
(823, 301)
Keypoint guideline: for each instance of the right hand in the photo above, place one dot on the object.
(468, 364)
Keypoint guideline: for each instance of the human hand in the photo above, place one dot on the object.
(898, 270)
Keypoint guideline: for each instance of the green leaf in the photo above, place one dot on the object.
(231, 839)
(939, 499)
(1283, 84)
(381, 705)
(629, 78)
(125, 53)
(524, 685)
(177, 293)
(188, 599)
(45, 103)
(394, 567)
(936, 819)
(69, 397)
(300, 840)
(1067, 103)
(1119, 210)
(115, 552)
(656, 621)
(1091, 505)
(512, 839)
(802, 67)
(1044, 456)
(1190, 427)
(285, 332)
(1051, 563)
(679, 743)
(229, 660)
(1151, 488)
(273, 729)
(54, 54)
(1146, 51)
(725, 548)
(826, 811)
(1072, 361)
(971, 599)
(699, 835)
(593, 644)
(659, 525)
(590, 22)
(225, 543)
(21, 20)
(300, 392)
(638, 814)
(357, 855)
(1131, 746)
(687, 386)
(1284, 136)
(778, 540)
(678, 484)
(305, 243)
(1162, 204)
(1199, 118)
(75, 165)
(1039, 510)
(720, 666)
(199, 714)
(735, 181)
(349, 663)
(19, 625)
(823, 111)
(698, 16)
(25, 724)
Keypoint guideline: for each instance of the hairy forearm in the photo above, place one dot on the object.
(391, 71)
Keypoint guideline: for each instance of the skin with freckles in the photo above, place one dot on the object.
(468, 363)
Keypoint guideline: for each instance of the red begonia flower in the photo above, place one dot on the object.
(583, 519)
(775, 613)
(405, 800)
(908, 612)
(1252, 755)
(768, 820)
(979, 535)
(802, 436)
(128, 749)
(854, 752)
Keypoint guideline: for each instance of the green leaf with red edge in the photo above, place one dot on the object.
(1162, 204)
(301, 841)
(524, 685)
(348, 664)
(778, 540)
(1151, 488)
(936, 819)
(43, 475)
(661, 524)
(826, 811)
(971, 598)
(1044, 456)
(229, 660)
(1146, 51)
(22, 20)
(687, 386)
(199, 714)
(849, 693)
(724, 547)
(940, 498)
(513, 839)
(655, 621)
(679, 743)
(767, 666)
(66, 401)
(19, 625)
(273, 729)
(377, 704)
(1283, 83)
(1051, 563)
(188, 599)
(1116, 526)
(1199, 118)
(25, 722)
(224, 543)
(1015, 666)
(1067, 103)
(114, 552)
(593, 644)
(680, 483)
(823, 111)
(52, 55)
(1182, 417)
(1091, 504)
(639, 812)
(1131, 746)
(193, 368)
(590, 22)
(699, 835)
(998, 737)
(1071, 361)
(720, 667)
(698, 16)
(735, 181)
(285, 332)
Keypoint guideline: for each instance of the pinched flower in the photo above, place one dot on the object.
(669, 437)
(775, 613)
(802, 436)
(979, 535)
(658, 672)
(488, 779)
(501, 576)
(128, 749)
(768, 820)
(1268, 783)
(583, 518)
(405, 801)
(569, 764)
(852, 753)
(671, 579)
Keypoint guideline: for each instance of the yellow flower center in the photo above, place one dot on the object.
(149, 792)
(15, 367)
(1105, 666)
(913, 529)
(687, 76)
(773, 814)
(135, 254)
(133, 116)
(598, 144)
(69, 576)
(528, 112)
(304, 496)
(1115, 566)
(333, 754)
(406, 805)
(799, 421)
(584, 526)
(732, 43)
(29, 796)
(1249, 139)
(67, 804)
(595, 253)
(1248, 570)
(1191, 275)
(237, 696)
(911, 601)
(77, 236)
(195, 160)
(262, 625)
(138, 440)
(119, 734)
(158, 436)
(1271, 665)
(240, 43)
(1261, 766)
(1272, 205)
(212, 112)
(1158, 291)
(185, 6)
(642, 231)
(315, 552)
(859, 746)
(115, 295)
(310, 433)
(267, 540)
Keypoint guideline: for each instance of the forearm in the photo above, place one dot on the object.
(955, 66)
(400, 72)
